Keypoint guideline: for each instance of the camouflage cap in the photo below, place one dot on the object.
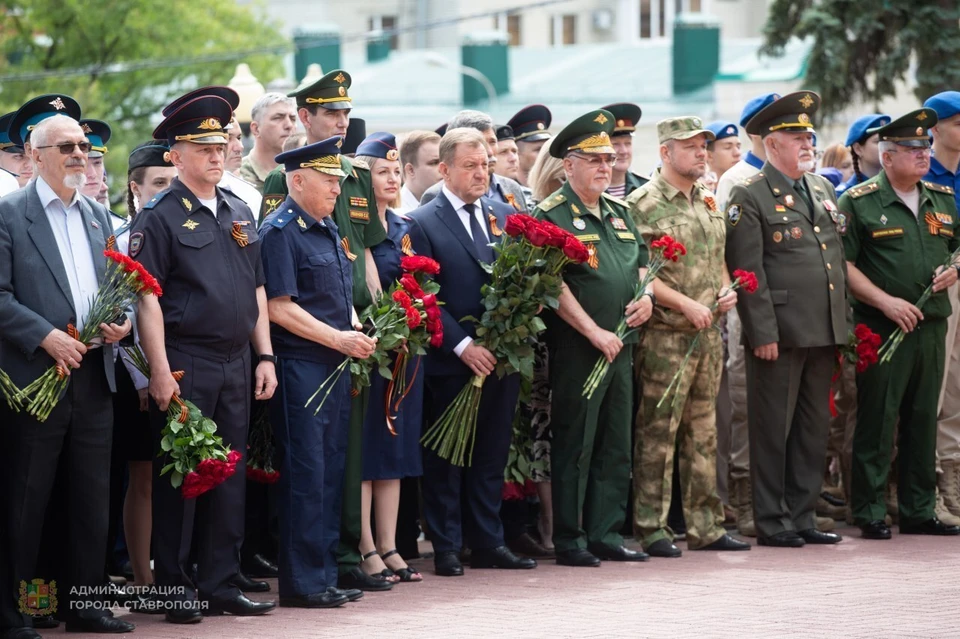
(682, 128)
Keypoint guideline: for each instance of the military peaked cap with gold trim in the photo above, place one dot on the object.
(626, 115)
(323, 156)
(98, 132)
(590, 133)
(38, 109)
(910, 129)
(228, 94)
(330, 92)
(530, 123)
(792, 113)
(200, 120)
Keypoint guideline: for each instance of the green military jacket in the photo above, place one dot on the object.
(633, 182)
(659, 209)
(895, 250)
(607, 283)
(797, 256)
(355, 215)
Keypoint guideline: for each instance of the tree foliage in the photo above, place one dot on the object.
(85, 39)
(862, 49)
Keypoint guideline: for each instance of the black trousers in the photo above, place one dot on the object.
(212, 523)
(77, 439)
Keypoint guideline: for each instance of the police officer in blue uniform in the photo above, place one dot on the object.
(200, 242)
(309, 284)
(862, 132)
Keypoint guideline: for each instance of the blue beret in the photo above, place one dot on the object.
(723, 129)
(323, 156)
(946, 104)
(379, 145)
(755, 105)
(859, 129)
(832, 174)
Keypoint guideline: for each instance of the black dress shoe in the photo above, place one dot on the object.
(260, 567)
(578, 557)
(246, 584)
(45, 623)
(621, 553)
(239, 606)
(356, 579)
(21, 633)
(100, 625)
(784, 539)
(876, 529)
(929, 527)
(188, 612)
(814, 536)
(500, 557)
(352, 594)
(316, 600)
(726, 543)
(664, 548)
(529, 547)
(447, 564)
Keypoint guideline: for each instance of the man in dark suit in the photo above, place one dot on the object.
(781, 225)
(456, 229)
(51, 262)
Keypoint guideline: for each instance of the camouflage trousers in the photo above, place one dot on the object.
(686, 423)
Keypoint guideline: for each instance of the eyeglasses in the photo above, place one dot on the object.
(67, 147)
(923, 150)
(596, 161)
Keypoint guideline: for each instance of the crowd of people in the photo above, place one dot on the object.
(268, 260)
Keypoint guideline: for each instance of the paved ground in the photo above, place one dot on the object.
(906, 587)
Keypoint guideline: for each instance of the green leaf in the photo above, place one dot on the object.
(176, 479)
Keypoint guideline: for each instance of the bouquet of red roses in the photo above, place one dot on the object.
(124, 282)
(261, 446)
(199, 459)
(861, 349)
(666, 249)
(404, 320)
(526, 276)
(745, 280)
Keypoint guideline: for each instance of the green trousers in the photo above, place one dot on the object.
(348, 550)
(590, 453)
(685, 423)
(906, 388)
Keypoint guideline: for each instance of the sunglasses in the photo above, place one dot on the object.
(67, 147)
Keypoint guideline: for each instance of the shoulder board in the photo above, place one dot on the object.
(552, 202)
(118, 216)
(614, 199)
(156, 199)
(355, 163)
(280, 220)
(862, 189)
(933, 186)
(753, 179)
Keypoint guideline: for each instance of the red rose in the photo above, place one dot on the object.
(419, 264)
(575, 250)
(862, 332)
(413, 318)
(556, 235)
(516, 224)
(433, 313)
(436, 340)
(434, 326)
(429, 300)
(536, 234)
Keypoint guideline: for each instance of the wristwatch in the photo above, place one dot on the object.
(267, 358)
(956, 267)
(653, 298)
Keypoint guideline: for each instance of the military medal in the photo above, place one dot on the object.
(777, 236)
(829, 205)
(579, 224)
(494, 229)
(239, 235)
(406, 245)
(883, 219)
(345, 245)
(788, 199)
(593, 259)
(796, 233)
(111, 242)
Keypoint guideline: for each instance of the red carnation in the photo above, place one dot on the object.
(434, 325)
(433, 312)
(401, 298)
(748, 281)
(411, 286)
(419, 264)
(429, 300)
(862, 332)
(436, 340)
(413, 318)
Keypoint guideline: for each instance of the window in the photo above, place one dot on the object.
(385, 23)
(645, 26)
(511, 24)
(569, 29)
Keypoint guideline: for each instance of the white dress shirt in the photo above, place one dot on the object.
(408, 201)
(8, 183)
(457, 204)
(71, 235)
(243, 190)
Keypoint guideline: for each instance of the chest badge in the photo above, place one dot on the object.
(406, 245)
(796, 233)
(618, 224)
(593, 259)
(933, 223)
(94, 224)
(345, 245)
(301, 223)
(579, 224)
(494, 229)
(711, 203)
(777, 237)
(186, 204)
(190, 224)
(788, 199)
(239, 235)
(883, 219)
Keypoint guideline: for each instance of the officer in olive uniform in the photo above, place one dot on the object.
(591, 437)
(312, 321)
(200, 242)
(626, 116)
(899, 231)
(674, 203)
(781, 227)
(359, 226)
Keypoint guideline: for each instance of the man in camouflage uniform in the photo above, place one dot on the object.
(690, 292)
(323, 109)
